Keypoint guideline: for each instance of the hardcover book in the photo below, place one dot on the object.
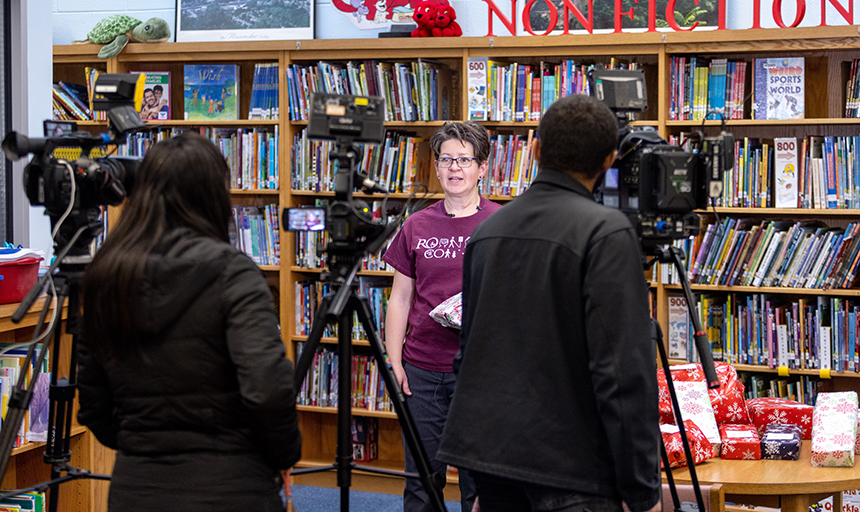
(211, 92)
(156, 95)
(778, 88)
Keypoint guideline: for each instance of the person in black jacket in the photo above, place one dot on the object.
(555, 406)
(182, 368)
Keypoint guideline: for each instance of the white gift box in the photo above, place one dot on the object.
(696, 406)
(834, 429)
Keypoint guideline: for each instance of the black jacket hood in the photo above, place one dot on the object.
(177, 272)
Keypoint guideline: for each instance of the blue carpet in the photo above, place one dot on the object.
(307, 498)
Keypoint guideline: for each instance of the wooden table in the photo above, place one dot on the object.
(792, 485)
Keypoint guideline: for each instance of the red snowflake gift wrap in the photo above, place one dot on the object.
(700, 447)
(740, 442)
(767, 410)
(727, 400)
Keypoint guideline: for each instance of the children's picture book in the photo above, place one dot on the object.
(156, 95)
(211, 92)
(778, 88)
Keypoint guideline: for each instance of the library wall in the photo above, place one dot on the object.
(73, 19)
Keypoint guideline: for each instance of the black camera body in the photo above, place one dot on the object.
(76, 189)
(349, 222)
(657, 185)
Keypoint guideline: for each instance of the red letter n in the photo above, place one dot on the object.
(511, 24)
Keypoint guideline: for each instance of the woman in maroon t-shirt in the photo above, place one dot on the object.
(427, 255)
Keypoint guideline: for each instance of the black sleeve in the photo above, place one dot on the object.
(96, 410)
(264, 373)
(622, 360)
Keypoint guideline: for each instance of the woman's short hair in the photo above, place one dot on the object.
(467, 131)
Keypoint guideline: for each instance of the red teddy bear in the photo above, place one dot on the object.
(424, 15)
(445, 24)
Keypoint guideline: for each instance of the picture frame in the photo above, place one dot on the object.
(254, 20)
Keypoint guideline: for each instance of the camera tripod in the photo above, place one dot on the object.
(339, 305)
(62, 390)
(345, 251)
(675, 255)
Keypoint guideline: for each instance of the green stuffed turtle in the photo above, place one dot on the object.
(114, 32)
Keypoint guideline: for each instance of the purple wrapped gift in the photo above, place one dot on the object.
(781, 442)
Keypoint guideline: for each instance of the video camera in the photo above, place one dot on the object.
(349, 222)
(77, 189)
(658, 185)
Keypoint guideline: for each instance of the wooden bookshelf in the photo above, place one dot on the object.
(825, 48)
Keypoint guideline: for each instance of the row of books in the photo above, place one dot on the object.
(800, 388)
(90, 77)
(264, 92)
(309, 245)
(252, 154)
(512, 91)
(803, 254)
(321, 383)
(257, 233)
(773, 331)
(34, 427)
(401, 161)
(70, 102)
(309, 293)
(817, 172)
(699, 86)
(421, 90)
(29, 501)
(512, 165)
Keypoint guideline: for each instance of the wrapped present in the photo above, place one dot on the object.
(450, 312)
(727, 400)
(700, 447)
(834, 429)
(767, 410)
(781, 442)
(740, 442)
(696, 407)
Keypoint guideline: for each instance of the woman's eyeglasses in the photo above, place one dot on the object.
(464, 161)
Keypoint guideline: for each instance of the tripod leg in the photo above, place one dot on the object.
(410, 432)
(344, 407)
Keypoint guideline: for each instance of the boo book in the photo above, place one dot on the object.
(778, 88)
(211, 92)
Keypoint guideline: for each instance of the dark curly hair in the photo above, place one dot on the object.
(577, 133)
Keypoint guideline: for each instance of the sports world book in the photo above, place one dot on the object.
(778, 88)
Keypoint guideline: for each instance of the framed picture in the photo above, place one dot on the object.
(248, 20)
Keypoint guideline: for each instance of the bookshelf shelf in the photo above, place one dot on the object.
(385, 273)
(332, 341)
(766, 122)
(356, 411)
(816, 212)
(767, 289)
(228, 123)
(255, 192)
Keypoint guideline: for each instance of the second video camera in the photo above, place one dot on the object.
(658, 185)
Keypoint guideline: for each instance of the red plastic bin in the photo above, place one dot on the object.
(17, 277)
